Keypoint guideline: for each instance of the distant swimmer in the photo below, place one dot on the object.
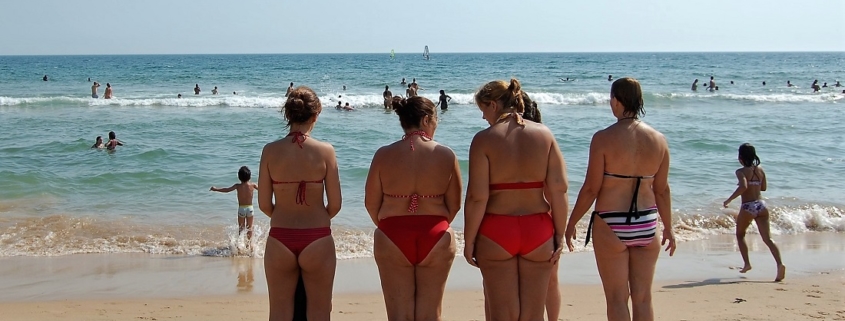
(344, 87)
(108, 94)
(94, 88)
(179, 96)
(290, 88)
(695, 85)
(388, 97)
(825, 85)
(410, 91)
(403, 82)
(339, 106)
(837, 84)
(197, 89)
(789, 84)
(98, 143)
(235, 93)
(444, 100)
(732, 82)
(609, 77)
(713, 84)
(815, 86)
(214, 91)
(89, 79)
(347, 107)
(764, 83)
(113, 142)
(567, 79)
(45, 78)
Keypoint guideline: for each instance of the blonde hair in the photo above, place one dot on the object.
(507, 95)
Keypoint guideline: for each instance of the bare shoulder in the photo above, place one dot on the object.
(445, 151)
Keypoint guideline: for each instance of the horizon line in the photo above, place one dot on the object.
(405, 53)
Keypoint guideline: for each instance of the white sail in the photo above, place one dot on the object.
(425, 53)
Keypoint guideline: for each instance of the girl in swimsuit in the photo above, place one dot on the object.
(515, 215)
(413, 192)
(294, 172)
(628, 167)
(752, 180)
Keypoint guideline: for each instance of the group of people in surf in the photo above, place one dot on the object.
(712, 85)
(515, 208)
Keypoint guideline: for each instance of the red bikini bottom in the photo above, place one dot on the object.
(414, 235)
(518, 234)
(297, 239)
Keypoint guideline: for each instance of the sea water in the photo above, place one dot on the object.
(58, 196)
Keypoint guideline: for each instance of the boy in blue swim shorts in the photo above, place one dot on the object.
(245, 190)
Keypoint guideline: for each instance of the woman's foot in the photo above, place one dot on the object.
(781, 273)
(745, 269)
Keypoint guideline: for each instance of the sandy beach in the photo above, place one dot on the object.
(698, 283)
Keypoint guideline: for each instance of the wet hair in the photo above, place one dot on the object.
(628, 92)
(507, 95)
(411, 111)
(386, 87)
(112, 135)
(442, 92)
(244, 174)
(99, 138)
(531, 113)
(302, 104)
(748, 155)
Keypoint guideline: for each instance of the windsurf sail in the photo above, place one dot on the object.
(425, 54)
(392, 54)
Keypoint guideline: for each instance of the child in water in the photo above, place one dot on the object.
(752, 181)
(245, 210)
(99, 143)
(113, 142)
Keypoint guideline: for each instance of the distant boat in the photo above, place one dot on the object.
(392, 54)
(425, 54)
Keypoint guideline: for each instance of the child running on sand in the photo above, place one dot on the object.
(752, 180)
(245, 211)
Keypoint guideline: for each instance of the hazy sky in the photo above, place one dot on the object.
(333, 26)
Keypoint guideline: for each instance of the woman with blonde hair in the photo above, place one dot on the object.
(413, 192)
(294, 173)
(515, 216)
(628, 167)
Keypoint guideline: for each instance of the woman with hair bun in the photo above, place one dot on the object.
(515, 215)
(294, 173)
(628, 179)
(413, 192)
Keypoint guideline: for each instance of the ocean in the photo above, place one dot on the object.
(59, 197)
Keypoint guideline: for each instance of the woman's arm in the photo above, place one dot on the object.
(453, 192)
(478, 192)
(332, 183)
(663, 198)
(740, 187)
(589, 191)
(556, 187)
(265, 185)
(373, 192)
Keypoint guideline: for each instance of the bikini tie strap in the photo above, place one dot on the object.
(300, 194)
(516, 116)
(415, 203)
(632, 211)
(298, 138)
(590, 227)
(416, 133)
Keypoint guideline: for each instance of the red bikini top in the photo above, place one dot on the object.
(525, 185)
(415, 198)
(300, 190)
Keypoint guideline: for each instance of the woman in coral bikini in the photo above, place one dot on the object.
(627, 177)
(413, 192)
(294, 172)
(752, 180)
(515, 215)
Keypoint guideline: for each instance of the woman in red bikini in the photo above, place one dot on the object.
(294, 172)
(627, 177)
(515, 215)
(413, 192)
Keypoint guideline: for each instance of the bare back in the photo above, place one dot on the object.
(430, 169)
(754, 179)
(516, 154)
(245, 192)
(283, 166)
(629, 149)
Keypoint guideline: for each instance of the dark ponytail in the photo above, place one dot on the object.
(748, 155)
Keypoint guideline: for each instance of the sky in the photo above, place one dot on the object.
(73, 27)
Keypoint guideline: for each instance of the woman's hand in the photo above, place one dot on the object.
(469, 254)
(558, 241)
(668, 235)
(569, 236)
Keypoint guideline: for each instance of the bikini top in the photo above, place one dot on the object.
(632, 211)
(754, 182)
(516, 116)
(298, 138)
(415, 198)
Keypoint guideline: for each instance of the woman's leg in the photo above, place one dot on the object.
(534, 273)
(612, 262)
(282, 272)
(501, 279)
(397, 278)
(763, 226)
(553, 295)
(743, 220)
(318, 261)
(642, 261)
(431, 275)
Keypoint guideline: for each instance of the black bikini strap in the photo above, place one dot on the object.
(590, 227)
(632, 211)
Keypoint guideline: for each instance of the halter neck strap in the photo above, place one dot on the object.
(298, 138)
(516, 116)
(416, 133)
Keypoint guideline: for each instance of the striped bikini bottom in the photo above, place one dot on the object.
(632, 228)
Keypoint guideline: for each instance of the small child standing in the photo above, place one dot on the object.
(245, 210)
